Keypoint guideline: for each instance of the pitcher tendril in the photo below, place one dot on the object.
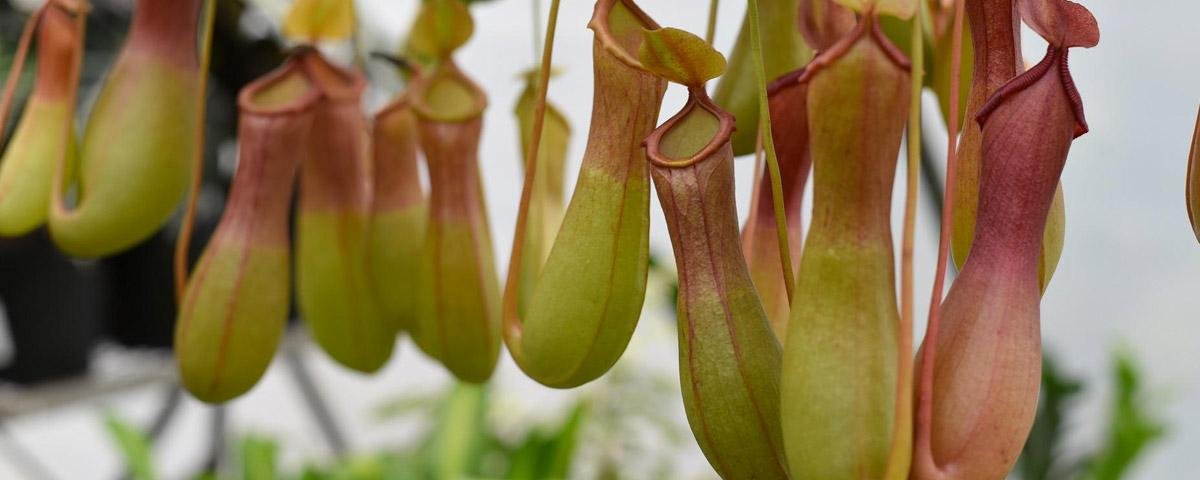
(901, 457)
(764, 118)
(512, 280)
(183, 243)
(924, 413)
(710, 32)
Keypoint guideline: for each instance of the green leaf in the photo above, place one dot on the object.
(361, 468)
(680, 57)
(565, 443)
(1042, 454)
(259, 458)
(547, 455)
(312, 472)
(526, 460)
(440, 28)
(402, 467)
(133, 446)
(1132, 428)
(421, 404)
(457, 442)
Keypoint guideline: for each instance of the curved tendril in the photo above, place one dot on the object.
(924, 433)
(184, 241)
(764, 118)
(59, 182)
(18, 64)
(1189, 190)
(511, 327)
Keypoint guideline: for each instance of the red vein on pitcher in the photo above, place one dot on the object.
(458, 311)
(235, 305)
(333, 286)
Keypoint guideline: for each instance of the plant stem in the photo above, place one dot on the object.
(18, 65)
(512, 282)
(183, 243)
(901, 456)
(764, 116)
(711, 33)
(925, 408)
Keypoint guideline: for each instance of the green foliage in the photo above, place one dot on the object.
(1131, 429)
(547, 454)
(1042, 457)
(259, 458)
(459, 445)
(133, 446)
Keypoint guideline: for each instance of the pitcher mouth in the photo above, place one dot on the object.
(285, 91)
(603, 29)
(698, 98)
(447, 95)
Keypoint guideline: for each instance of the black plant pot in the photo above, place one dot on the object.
(52, 305)
(141, 304)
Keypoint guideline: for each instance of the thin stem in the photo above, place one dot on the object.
(18, 64)
(512, 285)
(711, 33)
(758, 159)
(901, 457)
(925, 409)
(537, 29)
(60, 169)
(764, 117)
(183, 243)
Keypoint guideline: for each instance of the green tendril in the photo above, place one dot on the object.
(764, 118)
